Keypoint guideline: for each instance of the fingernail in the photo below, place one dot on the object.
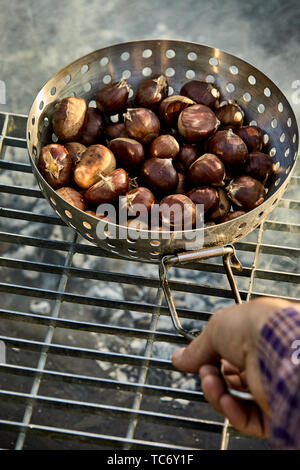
(176, 356)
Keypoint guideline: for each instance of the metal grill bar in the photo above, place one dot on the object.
(147, 399)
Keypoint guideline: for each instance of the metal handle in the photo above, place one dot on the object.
(229, 259)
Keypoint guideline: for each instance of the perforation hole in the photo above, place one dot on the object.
(154, 255)
(247, 97)
(192, 56)
(132, 251)
(126, 74)
(88, 235)
(274, 123)
(274, 202)
(53, 91)
(86, 225)
(84, 68)
(213, 62)
(154, 243)
(260, 215)
(287, 152)
(147, 53)
(287, 170)
(294, 138)
(29, 136)
(125, 56)
(106, 79)
(234, 69)
(34, 150)
(230, 87)
(131, 240)
(170, 72)
(131, 93)
(210, 79)
(252, 80)
(53, 201)
(289, 122)
(282, 137)
(272, 152)
(190, 74)
(170, 91)
(243, 225)
(267, 92)
(67, 78)
(280, 107)
(253, 123)
(111, 245)
(147, 71)
(68, 214)
(114, 118)
(92, 104)
(277, 182)
(170, 53)
(87, 87)
(261, 108)
(33, 120)
(54, 138)
(104, 61)
(41, 105)
(46, 121)
(266, 138)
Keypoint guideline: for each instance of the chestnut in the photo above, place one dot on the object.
(246, 192)
(108, 188)
(260, 166)
(230, 115)
(222, 208)
(229, 147)
(115, 130)
(138, 200)
(93, 128)
(231, 215)
(207, 170)
(197, 122)
(182, 184)
(205, 195)
(151, 92)
(55, 164)
(170, 108)
(75, 150)
(112, 98)
(159, 174)
(187, 155)
(95, 162)
(201, 92)
(73, 197)
(253, 137)
(177, 211)
(128, 152)
(141, 124)
(69, 117)
(164, 146)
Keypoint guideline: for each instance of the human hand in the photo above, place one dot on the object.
(230, 339)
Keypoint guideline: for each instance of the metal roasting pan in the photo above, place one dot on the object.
(261, 100)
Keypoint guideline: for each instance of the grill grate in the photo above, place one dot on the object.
(88, 336)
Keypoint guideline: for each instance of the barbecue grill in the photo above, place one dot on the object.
(88, 333)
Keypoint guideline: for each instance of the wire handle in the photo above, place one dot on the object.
(229, 259)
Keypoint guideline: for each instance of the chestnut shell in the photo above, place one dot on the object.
(159, 174)
(197, 122)
(246, 192)
(55, 164)
(201, 92)
(207, 170)
(229, 147)
(141, 124)
(151, 92)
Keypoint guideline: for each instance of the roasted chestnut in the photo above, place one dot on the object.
(181, 187)
(253, 137)
(187, 155)
(171, 107)
(229, 147)
(73, 197)
(69, 117)
(95, 162)
(201, 92)
(197, 122)
(205, 195)
(112, 98)
(151, 92)
(178, 212)
(230, 115)
(207, 170)
(159, 174)
(108, 188)
(260, 166)
(75, 150)
(232, 215)
(137, 201)
(164, 146)
(93, 128)
(115, 130)
(246, 192)
(222, 208)
(55, 164)
(141, 124)
(128, 152)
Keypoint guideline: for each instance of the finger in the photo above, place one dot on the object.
(213, 386)
(228, 368)
(245, 417)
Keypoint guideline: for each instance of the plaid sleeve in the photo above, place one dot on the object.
(279, 362)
